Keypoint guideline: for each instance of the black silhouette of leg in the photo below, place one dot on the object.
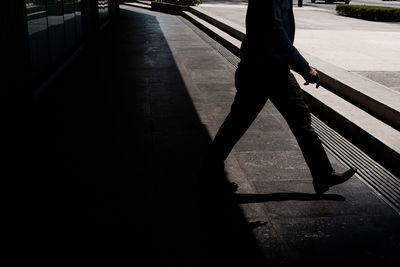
(244, 110)
(246, 106)
(290, 103)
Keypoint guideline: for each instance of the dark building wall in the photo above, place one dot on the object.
(91, 16)
(95, 15)
(114, 7)
(39, 35)
(21, 125)
(14, 42)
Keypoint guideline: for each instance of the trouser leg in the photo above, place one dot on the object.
(245, 108)
(290, 103)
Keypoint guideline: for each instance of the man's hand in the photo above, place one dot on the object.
(312, 77)
(313, 71)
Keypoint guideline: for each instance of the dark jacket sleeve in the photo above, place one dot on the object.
(296, 61)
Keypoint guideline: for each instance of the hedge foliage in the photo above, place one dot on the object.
(376, 13)
(182, 2)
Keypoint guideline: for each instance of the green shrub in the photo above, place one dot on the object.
(376, 13)
(182, 2)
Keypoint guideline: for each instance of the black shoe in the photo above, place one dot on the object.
(230, 187)
(333, 179)
(213, 178)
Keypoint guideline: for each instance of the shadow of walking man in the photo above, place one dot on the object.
(260, 198)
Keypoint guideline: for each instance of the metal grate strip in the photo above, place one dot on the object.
(380, 180)
(373, 174)
(229, 56)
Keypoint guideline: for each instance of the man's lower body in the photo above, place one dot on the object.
(253, 91)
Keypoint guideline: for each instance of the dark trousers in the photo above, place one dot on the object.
(253, 91)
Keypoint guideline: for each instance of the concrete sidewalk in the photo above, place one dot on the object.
(370, 49)
(124, 135)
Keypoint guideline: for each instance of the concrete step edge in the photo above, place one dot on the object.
(219, 22)
(368, 95)
(147, 3)
(143, 2)
(136, 4)
(229, 42)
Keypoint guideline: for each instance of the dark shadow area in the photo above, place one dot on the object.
(117, 140)
(260, 198)
(257, 224)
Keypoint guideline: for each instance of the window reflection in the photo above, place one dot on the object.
(69, 23)
(103, 10)
(38, 38)
(56, 28)
(78, 19)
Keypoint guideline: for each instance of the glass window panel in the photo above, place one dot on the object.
(38, 35)
(103, 10)
(100, 5)
(56, 29)
(78, 19)
(69, 23)
(106, 8)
